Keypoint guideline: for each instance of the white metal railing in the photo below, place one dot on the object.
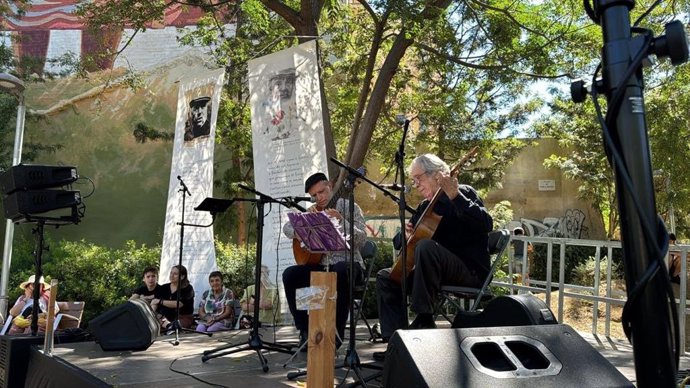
(611, 296)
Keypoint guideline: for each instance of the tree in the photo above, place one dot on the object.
(577, 129)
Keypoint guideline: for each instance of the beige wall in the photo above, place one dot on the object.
(521, 188)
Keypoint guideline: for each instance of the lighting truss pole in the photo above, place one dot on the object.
(15, 86)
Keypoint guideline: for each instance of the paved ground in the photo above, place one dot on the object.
(166, 365)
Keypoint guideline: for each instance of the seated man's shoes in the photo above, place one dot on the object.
(423, 321)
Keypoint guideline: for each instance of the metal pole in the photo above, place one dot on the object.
(9, 227)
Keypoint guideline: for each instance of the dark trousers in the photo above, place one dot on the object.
(298, 276)
(434, 266)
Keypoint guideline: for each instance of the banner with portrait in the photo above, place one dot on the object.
(192, 167)
(287, 137)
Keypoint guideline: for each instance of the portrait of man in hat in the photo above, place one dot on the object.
(199, 118)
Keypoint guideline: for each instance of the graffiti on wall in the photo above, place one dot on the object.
(570, 225)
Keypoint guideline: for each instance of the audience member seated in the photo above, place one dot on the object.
(166, 305)
(151, 289)
(23, 308)
(217, 306)
(269, 305)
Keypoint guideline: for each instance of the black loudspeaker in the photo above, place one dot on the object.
(14, 357)
(510, 356)
(129, 326)
(509, 310)
(32, 177)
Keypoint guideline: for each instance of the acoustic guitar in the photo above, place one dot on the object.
(304, 256)
(426, 225)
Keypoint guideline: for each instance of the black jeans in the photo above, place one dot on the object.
(434, 266)
(298, 276)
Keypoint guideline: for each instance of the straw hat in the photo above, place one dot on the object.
(31, 280)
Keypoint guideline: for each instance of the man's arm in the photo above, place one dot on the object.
(470, 207)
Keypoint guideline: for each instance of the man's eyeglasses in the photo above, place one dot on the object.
(416, 178)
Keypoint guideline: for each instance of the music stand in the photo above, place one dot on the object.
(254, 342)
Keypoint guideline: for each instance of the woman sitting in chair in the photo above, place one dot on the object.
(23, 307)
(217, 306)
(166, 305)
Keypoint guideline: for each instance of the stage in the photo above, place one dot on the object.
(166, 365)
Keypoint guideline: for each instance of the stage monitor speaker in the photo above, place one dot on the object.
(14, 357)
(508, 310)
(510, 356)
(129, 326)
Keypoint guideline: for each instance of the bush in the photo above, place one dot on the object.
(101, 277)
(237, 265)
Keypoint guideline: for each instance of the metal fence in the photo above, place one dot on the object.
(611, 297)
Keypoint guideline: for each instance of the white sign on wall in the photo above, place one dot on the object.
(547, 185)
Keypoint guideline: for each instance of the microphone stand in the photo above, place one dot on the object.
(400, 169)
(351, 358)
(643, 236)
(176, 325)
(254, 342)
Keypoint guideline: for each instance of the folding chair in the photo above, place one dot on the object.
(498, 241)
(368, 253)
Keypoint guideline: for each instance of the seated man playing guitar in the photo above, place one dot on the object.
(298, 276)
(455, 253)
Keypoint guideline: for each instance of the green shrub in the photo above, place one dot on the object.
(101, 277)
(583, 274)
(237, 262)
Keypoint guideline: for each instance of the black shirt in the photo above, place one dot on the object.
(186, 301)
(144, 291)
(464, 228)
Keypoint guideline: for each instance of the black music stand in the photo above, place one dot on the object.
(254, 343)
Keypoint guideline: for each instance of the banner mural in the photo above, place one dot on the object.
(192, 166)
(288, 139)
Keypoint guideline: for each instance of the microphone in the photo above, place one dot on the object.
(396, 187)
(184, 187)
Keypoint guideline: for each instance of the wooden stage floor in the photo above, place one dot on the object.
(166, 365)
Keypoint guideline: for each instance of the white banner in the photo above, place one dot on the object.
(288, 139)
(192, 163)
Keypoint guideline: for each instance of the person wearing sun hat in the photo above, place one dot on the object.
(24, 306)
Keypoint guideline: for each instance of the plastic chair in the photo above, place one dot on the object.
(498, 241)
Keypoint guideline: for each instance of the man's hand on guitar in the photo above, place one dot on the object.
(334, 213)
(409, 228)
(447, 183)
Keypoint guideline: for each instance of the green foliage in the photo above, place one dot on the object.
(502, 214)
(101, 277)
(237, 263)
(579, 263)
(584, 273)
